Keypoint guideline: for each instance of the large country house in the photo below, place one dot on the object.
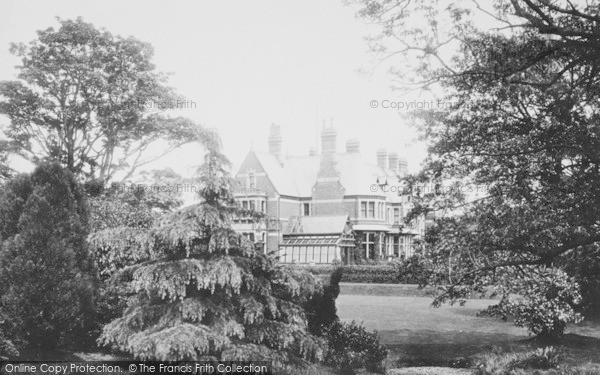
(328, 206)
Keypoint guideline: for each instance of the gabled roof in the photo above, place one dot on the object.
(282, 178)
(296, 175)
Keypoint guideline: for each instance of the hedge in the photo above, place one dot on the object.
(366, 274)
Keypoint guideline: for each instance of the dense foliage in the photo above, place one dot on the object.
(46, 282)
(522, 104)
(7, 348)
(130, 205)
(548, 305)
(381, 273)
(5, 171)
(498, 362)
(201, 291)
(352, 347)
(320, 308)
(91, 100)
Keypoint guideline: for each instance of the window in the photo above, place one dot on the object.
(251, 180)
(397, 246)
(372, 210)
(406, 246)
(263, 206)
(245, 205)
(390, 216)
(252, 205)
(396, 215)
(306, 209)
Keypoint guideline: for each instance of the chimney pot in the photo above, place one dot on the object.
(275, 140)
(393, 161)
(382, 157)
(329, 139)
(352, 146)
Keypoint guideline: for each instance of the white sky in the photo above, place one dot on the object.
(246, 65)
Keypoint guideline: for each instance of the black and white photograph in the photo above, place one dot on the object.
(352, 187)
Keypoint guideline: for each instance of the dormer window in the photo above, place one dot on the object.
(251, 183)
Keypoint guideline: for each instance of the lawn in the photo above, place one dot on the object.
(419, 335)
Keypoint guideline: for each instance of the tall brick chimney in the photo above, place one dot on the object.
(402, 166)
(382, 158)
(328, 139)
(393, 161)
(353, 146)
(275, 140)
(328, 193)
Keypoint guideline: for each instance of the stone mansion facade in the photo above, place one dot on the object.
(328, 206)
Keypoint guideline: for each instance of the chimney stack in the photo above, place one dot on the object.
(353, 146)
(275, 140)
(382, 157)
(402, 166)
(329, 139)
(393, 161)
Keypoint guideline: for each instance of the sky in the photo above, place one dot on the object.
(246, 65)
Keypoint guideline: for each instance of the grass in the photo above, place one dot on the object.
(434, 341)
(450, 336)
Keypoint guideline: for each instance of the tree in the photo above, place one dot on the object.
(5, 171)
(201, 291)
(522, 120)
(92, 101)
(129, 206)
(46, 274)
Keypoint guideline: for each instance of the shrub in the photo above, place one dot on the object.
(548, 301)
(416, 269)
(351, 347)
(509, 363)
(46, 282)
(375, 273)
(320, 309)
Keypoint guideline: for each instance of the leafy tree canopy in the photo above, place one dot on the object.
(524, 123)
(91, 100)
